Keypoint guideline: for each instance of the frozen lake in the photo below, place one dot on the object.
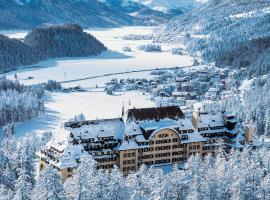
(115, 60)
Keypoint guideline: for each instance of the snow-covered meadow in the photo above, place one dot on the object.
(115, 60)
(60, 107)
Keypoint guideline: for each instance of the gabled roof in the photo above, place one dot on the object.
(171, 112)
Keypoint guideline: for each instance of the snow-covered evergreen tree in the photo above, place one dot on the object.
(49, 186)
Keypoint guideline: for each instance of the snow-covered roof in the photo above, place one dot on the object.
(98, 129)
(153, 125)
(132, 128)
(194, 137)
(68, 144)
(126, 145)
(210, 120)
(140, 138)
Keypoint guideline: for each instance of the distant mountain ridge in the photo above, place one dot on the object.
(169, 6)
(233, 33)
(28, 14)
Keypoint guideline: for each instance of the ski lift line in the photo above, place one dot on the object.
(120, 73)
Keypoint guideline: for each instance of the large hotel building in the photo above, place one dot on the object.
(147, 136)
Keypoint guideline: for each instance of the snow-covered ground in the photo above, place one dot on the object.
(61, 107)
(115, 60)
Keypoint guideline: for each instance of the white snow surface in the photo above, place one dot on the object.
(115, 60)
(60, 107)
(166, 5)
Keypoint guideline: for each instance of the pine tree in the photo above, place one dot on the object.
(79, 186)
(49, 186)
(23, 187)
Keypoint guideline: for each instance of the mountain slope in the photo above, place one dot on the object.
(232, 33)
(146, 14)
(25, 14)
(170, 5)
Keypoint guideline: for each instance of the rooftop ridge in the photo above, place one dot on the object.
(155, 113)
(88, 122)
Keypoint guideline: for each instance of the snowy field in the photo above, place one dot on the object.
(61, 107)
(115, 60)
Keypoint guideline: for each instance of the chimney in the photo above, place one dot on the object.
(249, 133)
(195, 119)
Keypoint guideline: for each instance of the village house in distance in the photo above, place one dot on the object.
(146, 136)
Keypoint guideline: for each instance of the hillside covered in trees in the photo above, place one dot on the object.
(228, 33)
(50, 42)
(25, 14)
(239, 175)
(19, 103)
(28, 14)
(234, 34)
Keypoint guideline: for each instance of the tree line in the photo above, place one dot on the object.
(68, 40)
(237, 175)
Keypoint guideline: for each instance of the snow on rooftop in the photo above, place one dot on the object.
(126, 145)
(132, 128)
(140, 138)
(194, 137)
(212, 120)
(153, 125)
(70, 156)
(99, 128)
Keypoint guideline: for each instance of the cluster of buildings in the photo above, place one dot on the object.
(187, 86)
(146, 136)
(180, 87)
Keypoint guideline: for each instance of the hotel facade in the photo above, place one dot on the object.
(147, 136)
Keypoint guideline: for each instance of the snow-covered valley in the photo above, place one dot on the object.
(115, 60)
(59, 107)
(172, 104)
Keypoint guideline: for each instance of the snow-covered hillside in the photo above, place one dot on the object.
(115, 60)
(231, 33)
(26, 14)
(167, 5)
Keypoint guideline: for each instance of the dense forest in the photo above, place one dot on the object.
(239, 175)
(28, 14)
(19, 103)
(15, 53)
(67, 40)
(228, 33)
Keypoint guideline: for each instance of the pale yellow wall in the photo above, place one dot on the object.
(164, 134)
(65, 174)
(133, 156)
